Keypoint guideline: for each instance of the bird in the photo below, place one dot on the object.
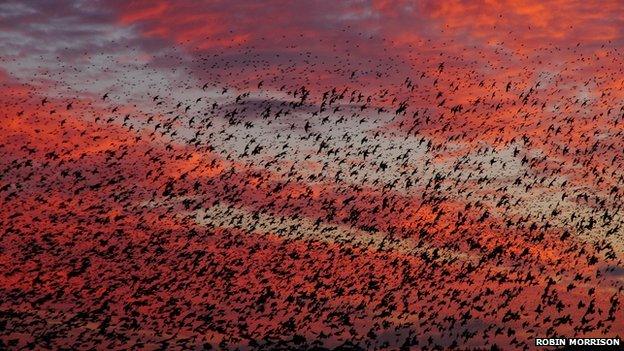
(361, 189)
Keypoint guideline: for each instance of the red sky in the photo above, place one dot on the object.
(381, 174)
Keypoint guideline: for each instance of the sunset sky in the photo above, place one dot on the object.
(279, 175)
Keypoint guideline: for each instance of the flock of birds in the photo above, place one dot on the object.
(425, 202)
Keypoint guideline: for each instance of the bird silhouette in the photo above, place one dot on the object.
(452, 187)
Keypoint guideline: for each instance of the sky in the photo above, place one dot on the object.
(257, 175)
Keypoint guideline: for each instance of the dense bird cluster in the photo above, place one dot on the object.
(249, 204)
